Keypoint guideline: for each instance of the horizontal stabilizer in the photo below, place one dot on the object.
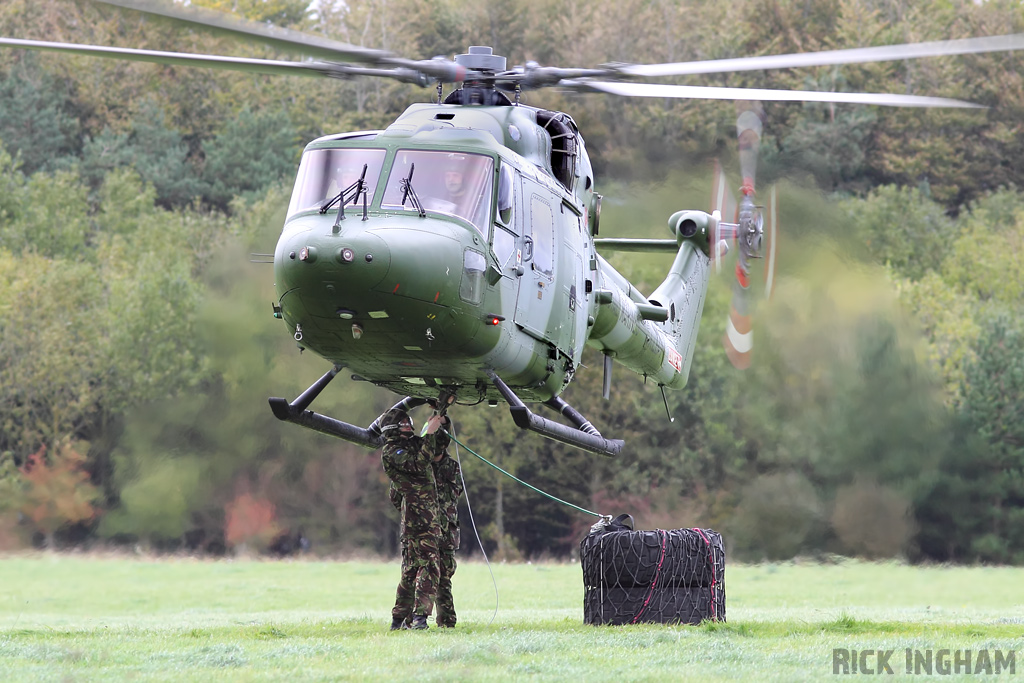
(640, 245)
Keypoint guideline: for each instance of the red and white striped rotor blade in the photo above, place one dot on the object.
(749, 124)
(739, 337)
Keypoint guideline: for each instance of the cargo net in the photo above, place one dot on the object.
(663, 577)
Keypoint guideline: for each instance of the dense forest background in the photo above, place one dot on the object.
(884, 415)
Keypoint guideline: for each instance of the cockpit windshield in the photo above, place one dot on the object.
(453, 183)
(324, 173)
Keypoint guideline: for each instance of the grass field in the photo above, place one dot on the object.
(86, 618)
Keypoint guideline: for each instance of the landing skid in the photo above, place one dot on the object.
(296, 413)
(584, 436)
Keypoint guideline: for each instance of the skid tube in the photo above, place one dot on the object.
(296, 413)
(585, 436)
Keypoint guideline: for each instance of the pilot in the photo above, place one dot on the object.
(454, 184)
(406, 459)
(452, 197)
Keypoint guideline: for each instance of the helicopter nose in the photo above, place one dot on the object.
(330, 265)
(425, 266)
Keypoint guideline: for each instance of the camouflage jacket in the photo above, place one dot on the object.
(449, 489)
(413, 488)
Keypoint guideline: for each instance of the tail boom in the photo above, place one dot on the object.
(656, 336)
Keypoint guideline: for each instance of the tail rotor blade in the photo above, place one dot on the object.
(749, 124)
(770, 242)
(739, 337)
(722, 198)
(724, 202)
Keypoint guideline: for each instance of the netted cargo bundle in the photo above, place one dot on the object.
(662, 576)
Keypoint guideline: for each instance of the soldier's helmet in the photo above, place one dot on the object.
(396, 423)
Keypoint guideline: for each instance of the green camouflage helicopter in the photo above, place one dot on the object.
(453, 257)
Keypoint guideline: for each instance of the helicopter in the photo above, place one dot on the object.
(454, 257)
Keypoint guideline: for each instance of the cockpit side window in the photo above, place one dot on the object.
(453, 183)
(324, 173)
(505, 195)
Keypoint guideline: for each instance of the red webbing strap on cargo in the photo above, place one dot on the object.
(714, 579)
(657, 574)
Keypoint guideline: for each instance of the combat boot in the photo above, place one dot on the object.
(397, 623)
(419, 623)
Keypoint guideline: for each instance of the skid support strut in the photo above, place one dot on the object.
(585, 436)
(296, 413)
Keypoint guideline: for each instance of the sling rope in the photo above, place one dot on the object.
(529, 486)
(472, 521)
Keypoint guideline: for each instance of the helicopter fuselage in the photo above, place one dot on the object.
(468, 249)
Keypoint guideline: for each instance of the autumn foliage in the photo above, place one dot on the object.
(249, 521)
(57, 490)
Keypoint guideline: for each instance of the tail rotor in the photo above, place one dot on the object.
(753, 233)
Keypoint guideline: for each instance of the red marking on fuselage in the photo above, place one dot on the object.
(436, 296)
(395, 289)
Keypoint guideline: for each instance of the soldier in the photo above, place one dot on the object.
(448, 476)
(407, 462)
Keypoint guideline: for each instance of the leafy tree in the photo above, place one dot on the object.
(989, 249)
(57, 490)
(975, 507)
(37, 119)
(828, 142)
(278, 12)
(779, 516)
(969, 280)
(249, 522)
(46, 214)
(156, 152)
(11, 495)
(872, 520)
(253, 153)
(51, 349)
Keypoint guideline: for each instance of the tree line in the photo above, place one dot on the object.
(883, 414)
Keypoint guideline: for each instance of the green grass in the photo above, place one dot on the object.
(82, 618)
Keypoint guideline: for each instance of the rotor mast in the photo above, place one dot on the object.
(481, 67)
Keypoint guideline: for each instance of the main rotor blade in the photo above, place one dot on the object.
(750, 94)
(860, 55)
(294, 41)
(282, 38)
(263, 66)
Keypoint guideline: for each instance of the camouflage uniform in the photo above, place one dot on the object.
(406, 461)
(449, 489)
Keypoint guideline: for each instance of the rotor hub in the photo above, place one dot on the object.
(481, 58)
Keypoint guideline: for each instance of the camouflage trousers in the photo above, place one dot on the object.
(421, 570)
(445, 603)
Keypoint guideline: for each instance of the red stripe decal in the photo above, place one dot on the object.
(741, 277)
